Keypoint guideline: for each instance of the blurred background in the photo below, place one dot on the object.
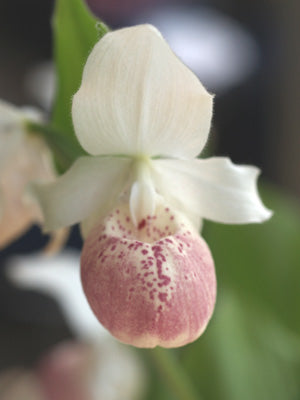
(247, 53)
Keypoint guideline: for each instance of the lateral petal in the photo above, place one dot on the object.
(136, 96)
(213, 188)
(86, 187)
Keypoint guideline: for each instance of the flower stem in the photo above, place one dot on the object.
(174, 376)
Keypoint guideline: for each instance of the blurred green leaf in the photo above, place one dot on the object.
(246, 354)
(170, 381)
(263, 261)
(251, 349)
(75, 32)
(157, 388)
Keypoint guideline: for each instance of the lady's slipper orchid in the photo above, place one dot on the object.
(23, 157)
(141, 195)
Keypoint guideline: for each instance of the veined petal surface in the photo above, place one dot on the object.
(213, 188)
(137, 97)
(87, 186)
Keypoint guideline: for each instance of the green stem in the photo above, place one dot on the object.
(174, 376)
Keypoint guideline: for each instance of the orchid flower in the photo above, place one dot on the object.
(141, 195)
(23, 157)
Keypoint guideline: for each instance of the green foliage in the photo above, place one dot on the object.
(251, 349)
(171, 381)
(75, 32)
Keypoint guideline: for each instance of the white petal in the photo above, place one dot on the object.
(87, 223)
(214, 189)
(86, 187)
(136, 96)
